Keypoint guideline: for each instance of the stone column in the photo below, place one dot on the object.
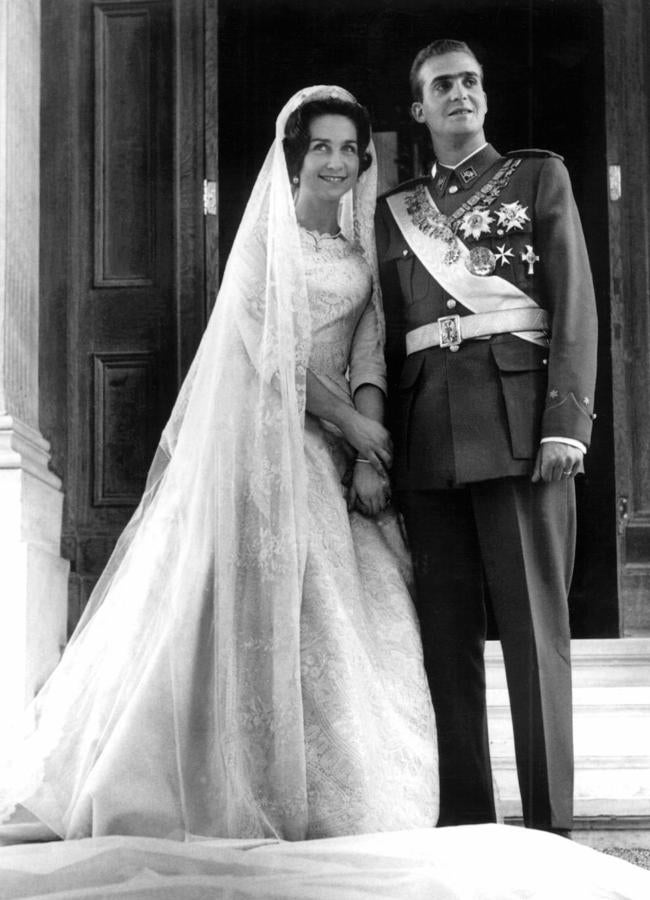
(33, 576)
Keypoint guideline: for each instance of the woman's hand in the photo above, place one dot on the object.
(369, 438)
(369, 491)
(361, 426)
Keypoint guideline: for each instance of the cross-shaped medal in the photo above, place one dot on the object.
(530, 257)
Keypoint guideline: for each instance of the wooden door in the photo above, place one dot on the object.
(122, 273)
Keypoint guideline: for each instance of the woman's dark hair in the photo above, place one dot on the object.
(297, 136)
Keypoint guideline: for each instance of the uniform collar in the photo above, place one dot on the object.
(463, 175)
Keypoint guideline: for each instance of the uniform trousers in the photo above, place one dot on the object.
(519, 539)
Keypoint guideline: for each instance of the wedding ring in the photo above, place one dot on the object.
(566, 474)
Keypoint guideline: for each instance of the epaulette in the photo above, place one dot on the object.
(534, 152)
(404, 186)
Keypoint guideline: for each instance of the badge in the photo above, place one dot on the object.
(475, 223)
(531, 258)
(512, 216)
(481, 261)
(504, 256)
(468, 174)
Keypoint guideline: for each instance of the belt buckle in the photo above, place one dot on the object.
(449, 331)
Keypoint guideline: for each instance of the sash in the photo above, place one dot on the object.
(480, 293)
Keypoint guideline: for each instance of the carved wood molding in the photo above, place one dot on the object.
(123, 432)
(627, 77)
(627, 65)
(124, 157)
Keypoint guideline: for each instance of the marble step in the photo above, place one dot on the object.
(611, 661)
(611, 705)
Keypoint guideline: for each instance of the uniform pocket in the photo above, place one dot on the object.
(522, 374)
(400, 254)
(415, 281)
(411, 371)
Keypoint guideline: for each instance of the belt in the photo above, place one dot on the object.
(451, 331)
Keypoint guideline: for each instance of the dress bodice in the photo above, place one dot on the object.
(339, 284)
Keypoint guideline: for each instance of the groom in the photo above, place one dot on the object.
(491, 349)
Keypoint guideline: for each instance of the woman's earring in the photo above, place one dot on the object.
(295, 179)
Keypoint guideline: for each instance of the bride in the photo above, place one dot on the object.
(249, 664)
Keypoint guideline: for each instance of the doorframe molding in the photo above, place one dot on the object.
(627, 76)
(189, 166)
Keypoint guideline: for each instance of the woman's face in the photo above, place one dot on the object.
(331, 165)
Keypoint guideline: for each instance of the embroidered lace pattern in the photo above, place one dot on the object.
(369, 729)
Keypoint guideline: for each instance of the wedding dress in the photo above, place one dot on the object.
(249, 664)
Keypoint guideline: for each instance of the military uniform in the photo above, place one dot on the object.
(467, 421)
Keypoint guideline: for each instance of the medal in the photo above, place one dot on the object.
(531, 258)
(504, 255)
(476, 222)
(512, 216)
(481, 261)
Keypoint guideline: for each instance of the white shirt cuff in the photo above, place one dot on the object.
(562, 440)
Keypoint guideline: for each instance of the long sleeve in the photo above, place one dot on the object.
(568, 293)
(367, 364)
(395, 352)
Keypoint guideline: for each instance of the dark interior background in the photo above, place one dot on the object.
(544, 76)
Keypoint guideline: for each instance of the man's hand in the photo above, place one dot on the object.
(556, 461)
(369, 491)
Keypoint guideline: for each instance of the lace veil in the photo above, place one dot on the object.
(194, 626)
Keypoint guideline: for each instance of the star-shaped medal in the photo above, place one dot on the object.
(512, 216)
(475, 223)
(502, 255)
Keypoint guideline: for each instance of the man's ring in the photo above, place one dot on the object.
(566, 474)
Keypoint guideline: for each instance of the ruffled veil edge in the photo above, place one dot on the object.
(183, 675)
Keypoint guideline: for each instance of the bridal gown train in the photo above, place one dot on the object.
(141, 765)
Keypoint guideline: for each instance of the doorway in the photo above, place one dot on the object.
(545, 80)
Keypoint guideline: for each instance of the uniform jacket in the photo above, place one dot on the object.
(479, 413)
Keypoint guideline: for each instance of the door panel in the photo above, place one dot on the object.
(113, 218)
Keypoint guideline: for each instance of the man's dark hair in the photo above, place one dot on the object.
(297, 136)
(437, 48)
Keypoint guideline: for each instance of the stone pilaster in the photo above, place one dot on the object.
(33, 577)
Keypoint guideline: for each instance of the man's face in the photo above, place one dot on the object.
(453, 101)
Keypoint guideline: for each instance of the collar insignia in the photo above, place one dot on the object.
(468, 173)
